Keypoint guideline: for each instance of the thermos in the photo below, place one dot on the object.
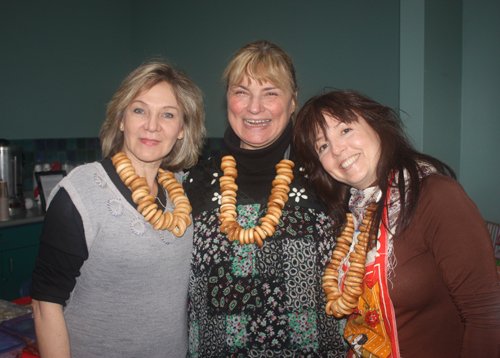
(4, 201)
(11, 172)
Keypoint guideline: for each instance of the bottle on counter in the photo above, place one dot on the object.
(36, 194)
(4, 201)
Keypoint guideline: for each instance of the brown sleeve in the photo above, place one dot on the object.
(463, 253)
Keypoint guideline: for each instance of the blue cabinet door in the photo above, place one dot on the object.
(17, 266)
(18, 250)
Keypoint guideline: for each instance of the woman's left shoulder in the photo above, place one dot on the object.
(443, 196)
(441, 184)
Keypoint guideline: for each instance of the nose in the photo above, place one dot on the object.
(152, 123)
(337, 148)
(255, 106)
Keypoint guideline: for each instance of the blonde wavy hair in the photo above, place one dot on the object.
(185, 152)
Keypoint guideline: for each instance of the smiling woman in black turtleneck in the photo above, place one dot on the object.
(261, 240)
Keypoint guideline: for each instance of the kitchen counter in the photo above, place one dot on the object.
(31, 216)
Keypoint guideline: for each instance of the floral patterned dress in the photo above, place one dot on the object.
(251, 301)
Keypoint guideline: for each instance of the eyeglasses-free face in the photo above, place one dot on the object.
(258, 113)
(349, 152)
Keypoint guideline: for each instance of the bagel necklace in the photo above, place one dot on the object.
(277, 200)
(344, 303)
(179, 220)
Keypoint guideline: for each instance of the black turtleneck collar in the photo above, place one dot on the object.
(259, 160)
(256, 168)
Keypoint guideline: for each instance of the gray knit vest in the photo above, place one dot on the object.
(130, 299)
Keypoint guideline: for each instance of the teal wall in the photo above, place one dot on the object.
(60, 62)
(412, 64)
(480, 144)
(346, 44)
(449, 89)
(431, 65)
(442, 77)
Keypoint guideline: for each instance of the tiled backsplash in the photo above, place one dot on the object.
(76, 151)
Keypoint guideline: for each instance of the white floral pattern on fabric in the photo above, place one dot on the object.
(217, 197)
(216, 175)
(299, 194)
(248, 215)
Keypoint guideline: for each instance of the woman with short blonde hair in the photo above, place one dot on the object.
(264, 62)
(260, 240)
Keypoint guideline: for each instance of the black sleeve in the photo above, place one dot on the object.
(63, 249)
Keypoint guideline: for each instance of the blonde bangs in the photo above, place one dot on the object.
(261, 68)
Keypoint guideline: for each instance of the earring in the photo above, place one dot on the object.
(121, 127)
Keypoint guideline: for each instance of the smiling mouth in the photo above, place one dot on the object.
(256, 122)
(349, 161)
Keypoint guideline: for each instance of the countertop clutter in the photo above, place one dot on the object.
(10, 345)
(31, 216)
(17, 330)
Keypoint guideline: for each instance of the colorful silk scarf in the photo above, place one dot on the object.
(371, 330)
